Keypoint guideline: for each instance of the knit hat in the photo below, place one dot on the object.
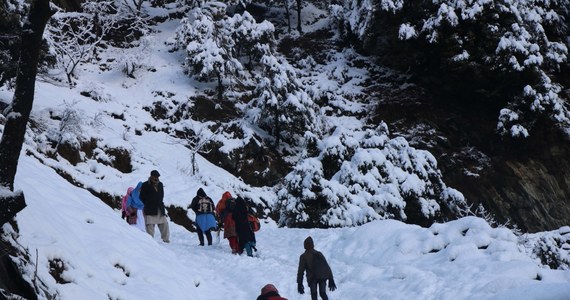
(201, 193)
(309, 244)
(154, 173)
(268, 288)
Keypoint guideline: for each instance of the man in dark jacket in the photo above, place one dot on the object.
(318, 271)
(152, 195)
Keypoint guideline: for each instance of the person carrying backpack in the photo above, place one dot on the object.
(318, 271)
(270, 292)
(203, 206)
(246, 236)
(224, 210)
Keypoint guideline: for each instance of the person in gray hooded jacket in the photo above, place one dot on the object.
(318, 271)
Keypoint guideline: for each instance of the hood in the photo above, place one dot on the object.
(226, 196)
(268, 288)
(309, 244)
(201, 193)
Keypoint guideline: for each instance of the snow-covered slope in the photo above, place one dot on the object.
(101, 257)
(104, 258)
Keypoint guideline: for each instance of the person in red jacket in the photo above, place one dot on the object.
(224, 210)
(270, 292)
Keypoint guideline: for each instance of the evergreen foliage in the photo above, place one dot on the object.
(550, 248)
(280, 105)
(363, 175)
(507, 52)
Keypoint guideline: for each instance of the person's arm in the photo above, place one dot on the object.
(332, 284)
(143, 193)
(161, 192)
(214, 206)
(193, 204)
(300, 273)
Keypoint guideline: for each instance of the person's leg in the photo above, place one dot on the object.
(209, 237)
(313, 288)
(150, 229)
(233, 244)
(248, 249)
(323, 289)
(164, 231)
(200, 235)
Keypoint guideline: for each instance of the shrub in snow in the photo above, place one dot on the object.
(551, 248)
(70, 127)
(73, 38)
(356, 176)
(505, 51)
(123, 22)
(134, 58)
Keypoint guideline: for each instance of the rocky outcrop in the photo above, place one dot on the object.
(524, 182)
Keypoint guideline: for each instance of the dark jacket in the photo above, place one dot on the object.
(200, 194)
(244, 232)
(152, 197)
(271, 296)
(306, 263)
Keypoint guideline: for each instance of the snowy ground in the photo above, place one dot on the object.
(107, 259)
(104, 258)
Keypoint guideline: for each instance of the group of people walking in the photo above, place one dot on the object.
(143, 207)
(232, 214)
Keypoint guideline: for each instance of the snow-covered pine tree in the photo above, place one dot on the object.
(370, 177)
(507, 52)
(208, 45)
(251, 38)
(280, 106)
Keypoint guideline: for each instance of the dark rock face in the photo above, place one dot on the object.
(523, 182)
(12, 282)
(527, 183)
(254, 163)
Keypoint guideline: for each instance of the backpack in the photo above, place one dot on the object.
(253, 222)
(319, 267)
(205, 205)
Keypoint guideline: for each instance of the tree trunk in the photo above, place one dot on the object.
(19, 111)
(287, 15)
(220, 88)
(11, 205)
(299, 3)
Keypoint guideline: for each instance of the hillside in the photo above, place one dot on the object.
(80, 248)
(368, 152)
